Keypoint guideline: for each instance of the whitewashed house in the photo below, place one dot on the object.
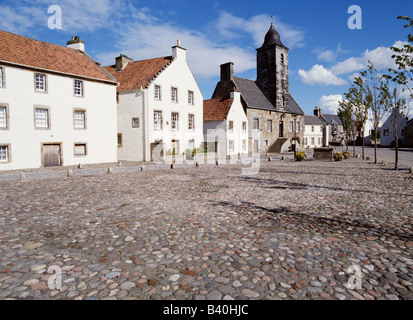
(226, 125)
(387, 137)
(159, 107)
(57, 105)
(313, 131)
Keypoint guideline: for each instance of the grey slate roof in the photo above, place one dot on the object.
(272, 37)
(253, 95)
(256, 99)
(332, 118)
(293, 106)
(310, 120)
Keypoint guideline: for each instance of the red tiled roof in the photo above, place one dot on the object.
(216, 109)
(138, 73)
(28, 52)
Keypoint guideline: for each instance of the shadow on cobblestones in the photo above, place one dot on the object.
(282, 218)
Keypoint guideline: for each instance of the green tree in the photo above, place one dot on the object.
(376, 98)
(404, 60)
(345, 113)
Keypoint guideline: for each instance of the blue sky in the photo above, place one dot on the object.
(324, 53)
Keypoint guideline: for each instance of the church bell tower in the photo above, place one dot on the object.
(272, 69)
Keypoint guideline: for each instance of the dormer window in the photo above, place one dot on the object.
(40, 82)
(2, 78)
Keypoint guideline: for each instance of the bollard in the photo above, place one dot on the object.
(411, 170)
(269, 159)
(80, 166)
(216, 162)
(197, 164)
(172, 165)
(282, 158)
(367, 158)
(143, 168)
(22, 176)
(119, 163)
(384, 163)
(70, 173)
(110, 170)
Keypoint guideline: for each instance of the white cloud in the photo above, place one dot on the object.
(330, 104)
(231, 27)
(318, 75)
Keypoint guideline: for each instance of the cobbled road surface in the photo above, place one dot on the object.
(296, 230)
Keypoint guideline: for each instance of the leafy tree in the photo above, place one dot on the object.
(376, 98)
(404, 61)
(345, 113)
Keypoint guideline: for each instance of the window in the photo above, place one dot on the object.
(191, 145)
(306, 141)
(3, 117)
(80, 149)
(319, 141)
(269, 125)
(231, 145)
(282, 59)
(386, 132)
(191, 98)
(78, 88)
(135, 122)
(291, 126)
(41, 118)
(158, 93)
(244, 127)
(2, 78)
(174, 121)
(4, 153)
(312, 128)
(174, 94)
(231, 126)
(266, 143)
(244, 145)
(120, 142)
(191, 122)
(256, 124)
(79, 119)
(298, 126)
(312, 141)
(40, 82)
(157, 120)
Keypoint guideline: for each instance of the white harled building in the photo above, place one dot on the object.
(57, 105)
(160, 107)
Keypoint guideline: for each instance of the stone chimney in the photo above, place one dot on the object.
(317, 111)
(178, 52)
(76, 43)
(122, 61)
(227, 72)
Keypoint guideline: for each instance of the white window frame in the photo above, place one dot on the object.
(158, 92)
(135, 122)
(77, 119)
(174, 121)
(174, 94)
(78, 90)
(40, 82)
(2, 77)
(269, 125)
(4, 117)
(191, 97)
(231, 126)
(5, 153)
(244, 145)
(80, 144)
(157, 120)
(256, 124)
(244, 127)
(191, 122)
(231, 145)
(39, 121)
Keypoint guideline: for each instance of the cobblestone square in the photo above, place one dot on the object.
(296, 230)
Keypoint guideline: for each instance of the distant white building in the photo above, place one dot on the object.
(57, 105)
(160, 107)
(226, 123)
(313, 131)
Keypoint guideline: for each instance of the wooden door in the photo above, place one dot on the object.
(52, 155)
(281, 133)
